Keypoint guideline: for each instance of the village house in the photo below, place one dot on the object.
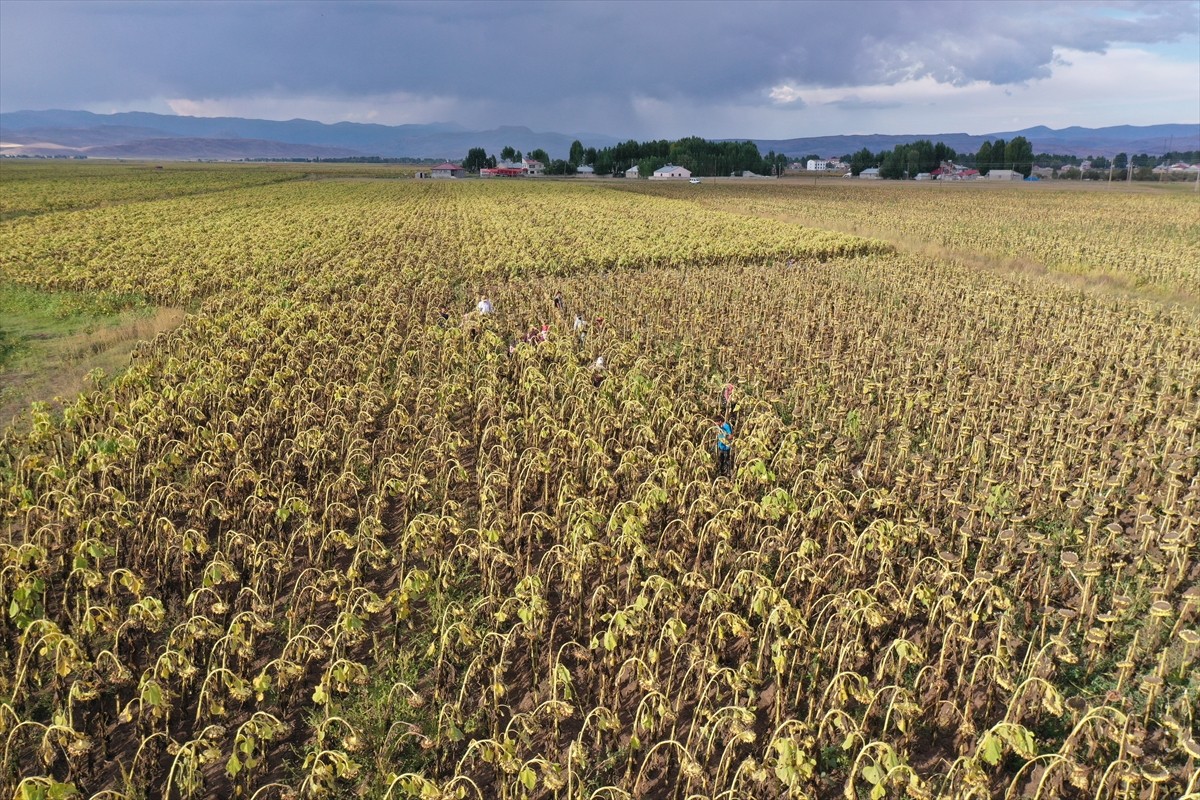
(671, 172)
(448, 170)
(949, 171)
(632, 172)
(533, 166)
(1004, 175)
(505, 169)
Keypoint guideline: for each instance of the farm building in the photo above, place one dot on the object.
(533, 166)
(817, 166)
(1004, 175)
(502, 171)
(632, 172)
(448, 170)
(584, 169)
(956, 174)
(671, 172)
(870, 174)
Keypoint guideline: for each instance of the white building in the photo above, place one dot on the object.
(870, 174)
(817, 166)
(584, 169)
(1004, 175)
(533, 166)
(448, 170)
(632, 172)
(670, 172)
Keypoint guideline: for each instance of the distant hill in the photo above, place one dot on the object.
(84, 131)
(179, 148)
(1075, 141)
(137, 134)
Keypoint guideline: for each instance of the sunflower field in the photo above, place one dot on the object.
(342, 535)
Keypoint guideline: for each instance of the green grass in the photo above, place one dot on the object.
(28, 316)
(49, 341)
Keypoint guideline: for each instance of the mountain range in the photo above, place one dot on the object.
(136, 134)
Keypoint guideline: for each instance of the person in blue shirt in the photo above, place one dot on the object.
(724, 447)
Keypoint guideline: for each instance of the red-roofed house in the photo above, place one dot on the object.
(448, 170)
(509, 171)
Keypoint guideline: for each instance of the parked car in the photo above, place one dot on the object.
(693, 180)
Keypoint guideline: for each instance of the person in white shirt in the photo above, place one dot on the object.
(484, 307)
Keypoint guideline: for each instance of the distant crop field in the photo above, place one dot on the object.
(1146, 238)
(337, 533)
(31, 187)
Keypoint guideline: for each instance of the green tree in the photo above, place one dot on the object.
(983, 161)
(538, 154)
(1121, 161)
(508, 153)
(891, 164)
(560, 167)
(942, 153)
(476, 159)
(912, 162)
(998, 149)
(576, 156)
(1019, 155)
(604, 163)
(646, 166)
(861, 160)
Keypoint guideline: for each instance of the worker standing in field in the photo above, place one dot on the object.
(724, 447)
(559, 304)
(580, 327)
(729, 405)
(485, 307)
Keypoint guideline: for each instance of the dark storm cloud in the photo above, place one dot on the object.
(68, 54)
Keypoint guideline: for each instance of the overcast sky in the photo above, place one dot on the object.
(627, 69)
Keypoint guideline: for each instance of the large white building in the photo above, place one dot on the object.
(1004, 175)
(671, 172)
(632, 172)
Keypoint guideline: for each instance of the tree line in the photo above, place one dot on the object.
(700, 156)
(910, 159)
(710, 158)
